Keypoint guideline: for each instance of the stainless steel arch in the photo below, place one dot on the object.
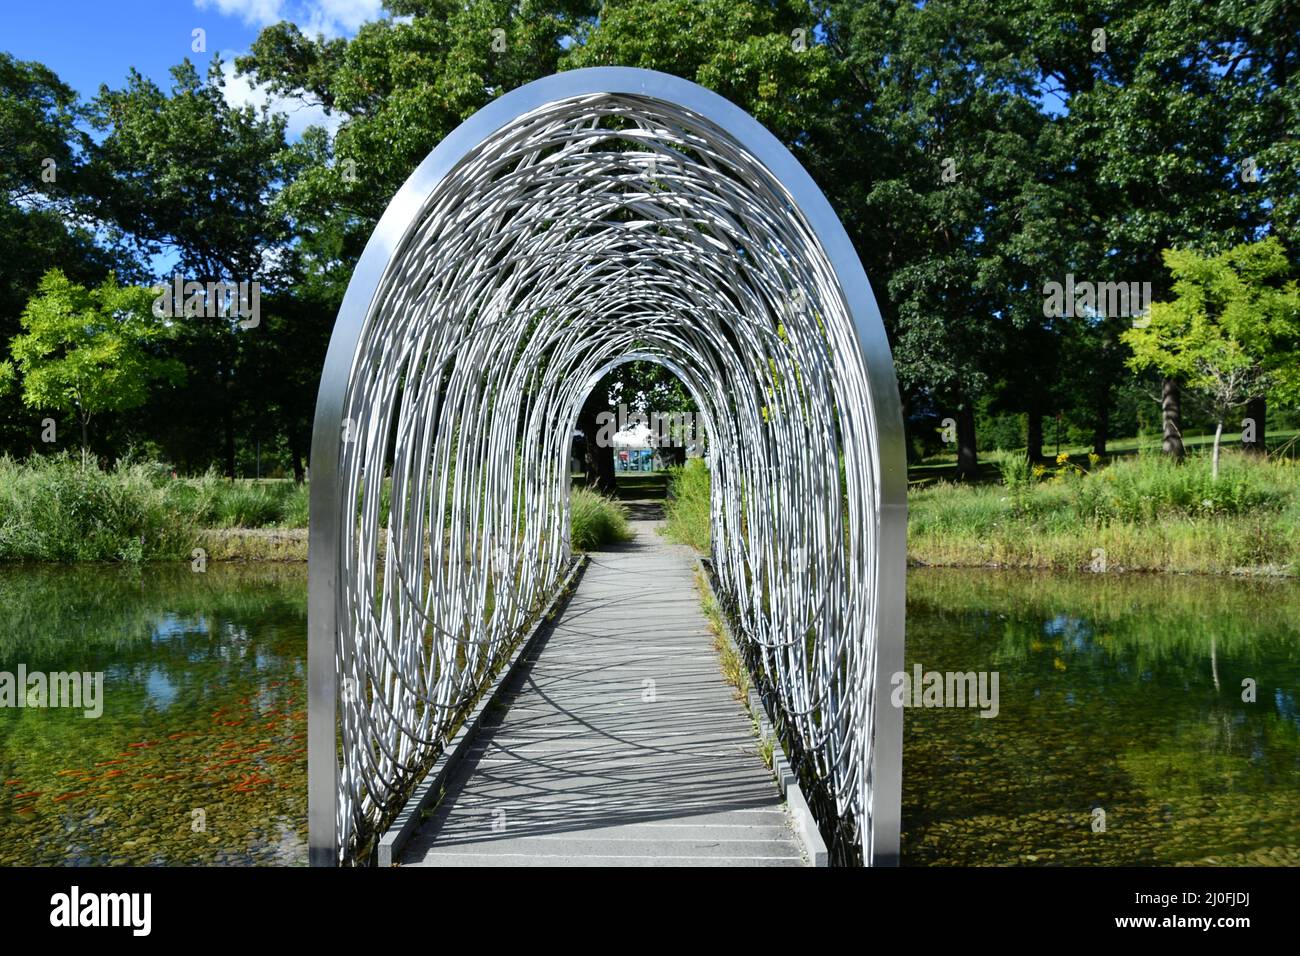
(576, 221)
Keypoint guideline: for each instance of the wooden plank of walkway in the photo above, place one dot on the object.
(622, 747)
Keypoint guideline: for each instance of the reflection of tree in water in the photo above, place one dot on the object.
(53, 608)
(204, 706)
(1105, 701)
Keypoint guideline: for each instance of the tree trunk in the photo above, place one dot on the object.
(1256, 411)
(295, 458)
(1218, 433)
(598, 463)
(1171, 407)
(228, 430)
(1034, 437)
(967, 460)
(1101, 433)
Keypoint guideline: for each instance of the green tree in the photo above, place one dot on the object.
(42, 185)
(1173, 125)
(1232, 330)
(88, 351)
(954, 194)
(400, 86)
(191, 178)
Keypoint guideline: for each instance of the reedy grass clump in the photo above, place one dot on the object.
(1144, 513)
(55, 508)
(686, 510)
(59, 508)
(595, 521)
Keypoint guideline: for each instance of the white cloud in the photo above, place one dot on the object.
(334, 18)
(241, 91)
(255, 13)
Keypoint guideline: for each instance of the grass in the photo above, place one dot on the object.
(686, 508)
(1142, 513)
(595, 521)
(217, 502)
(254, 544)
(1284, 442)
(52, 508)
(734, 671)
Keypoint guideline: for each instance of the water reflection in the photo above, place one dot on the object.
(1118, 694)
(200, 754)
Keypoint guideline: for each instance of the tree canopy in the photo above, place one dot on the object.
(975, 151)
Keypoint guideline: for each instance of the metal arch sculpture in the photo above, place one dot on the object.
(583, 220)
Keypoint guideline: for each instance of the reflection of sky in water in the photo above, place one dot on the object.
(160, 689)
(169, 626)
(194, 634)
(1074, 632)
(234, 641)
(185, 663)
(1284, 700)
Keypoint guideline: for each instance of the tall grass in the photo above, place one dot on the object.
(595, 521)
(54, 508)
(57, 509)
(686, 510)
(1140, 513)
(217, 502)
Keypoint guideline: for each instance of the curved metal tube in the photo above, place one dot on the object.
(570, 225)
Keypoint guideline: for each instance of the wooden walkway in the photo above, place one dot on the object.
(622, 746)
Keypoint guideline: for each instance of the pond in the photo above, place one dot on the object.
(1121, 736)
(1118, 694)
(199, 755)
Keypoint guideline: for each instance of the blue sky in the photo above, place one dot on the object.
(88, 43)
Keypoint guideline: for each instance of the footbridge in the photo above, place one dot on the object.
(585, 220)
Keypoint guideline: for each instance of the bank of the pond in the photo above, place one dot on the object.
(254, 544)
(1143, 514)
(1213, 547)
(58, 509)
(594, 521)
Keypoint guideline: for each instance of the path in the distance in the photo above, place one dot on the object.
(622, 745)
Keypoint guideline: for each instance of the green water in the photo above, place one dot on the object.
(1117, 693)
(199, 756)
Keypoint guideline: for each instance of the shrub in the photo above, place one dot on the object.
(243, 505)
(1014, 468)
(295, 509)
(595, 520)
(55, 508)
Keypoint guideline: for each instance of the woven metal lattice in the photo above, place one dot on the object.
(588, 230)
